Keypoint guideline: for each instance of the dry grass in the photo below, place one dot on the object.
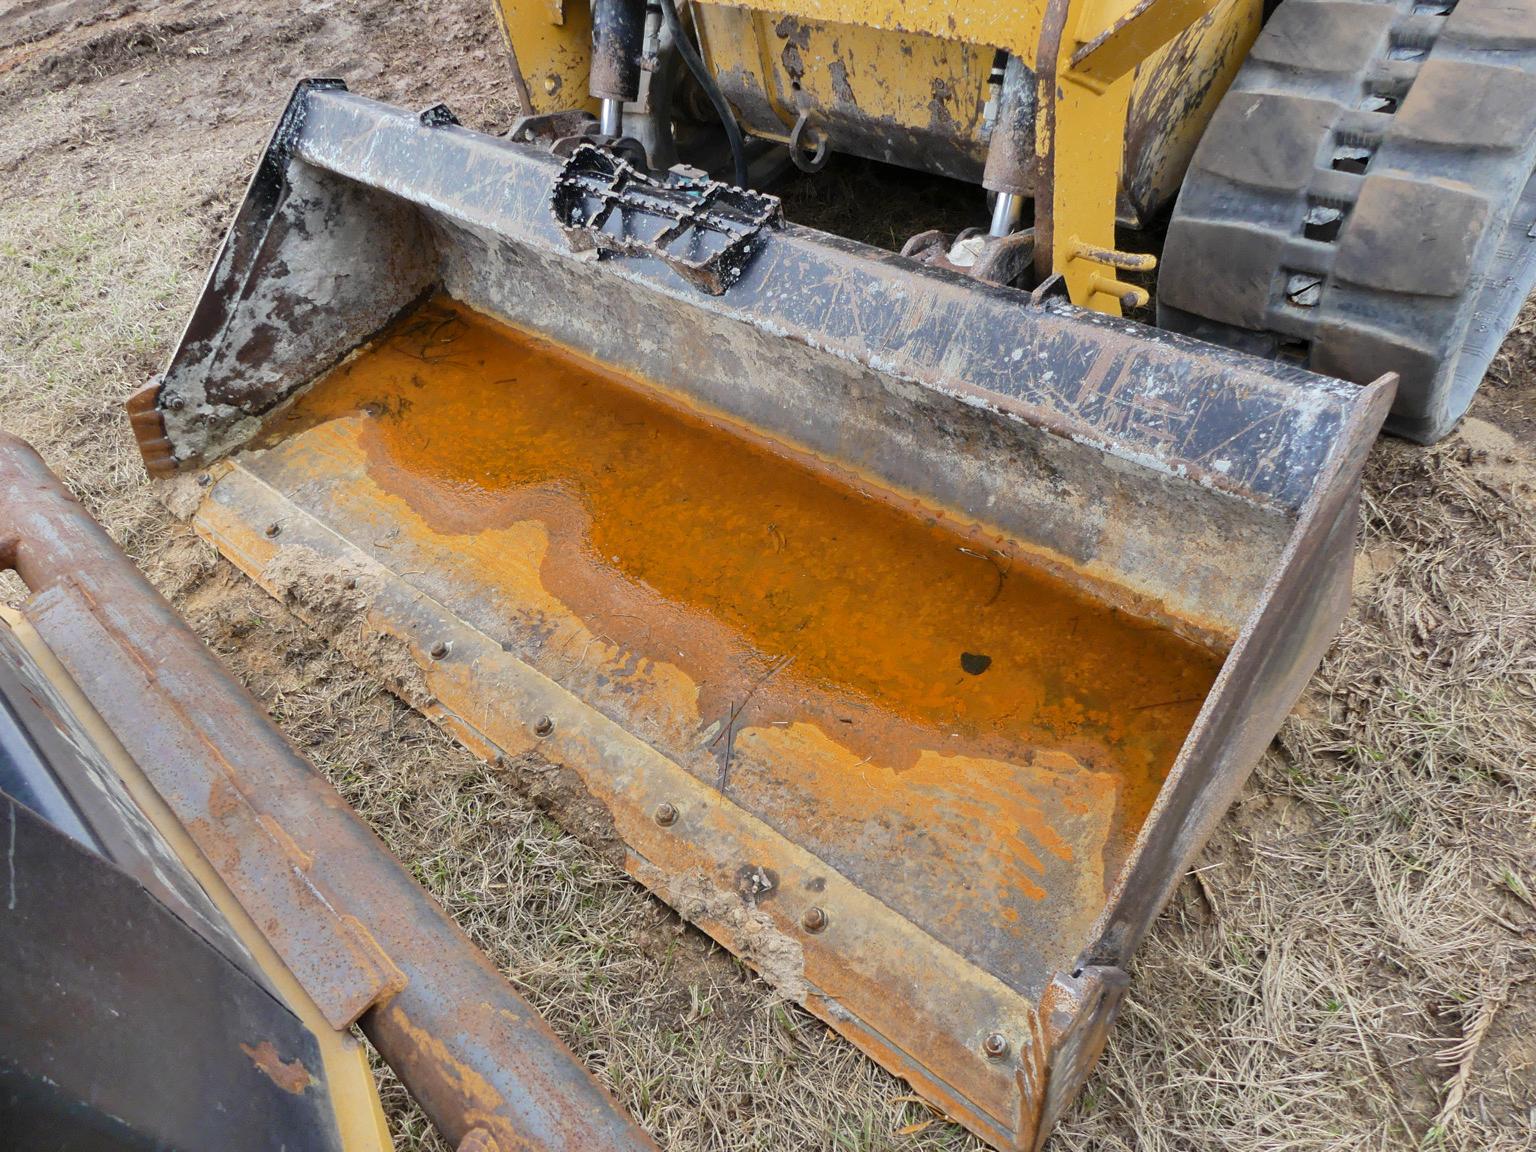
(1351, 967)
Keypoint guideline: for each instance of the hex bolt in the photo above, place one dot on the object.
(273, 530)
(439, 650)
(995, 1046)
(203, 479)
(543, 726)
(176, 404)
(666, 815)
(814, 920)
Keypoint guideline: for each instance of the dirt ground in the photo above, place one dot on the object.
(1350, 966)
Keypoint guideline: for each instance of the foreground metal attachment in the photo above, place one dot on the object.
(905, 633)
(358, 935)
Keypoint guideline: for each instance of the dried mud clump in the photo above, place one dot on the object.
(754, 937)
(334, 595)
(559, 791)
(331, 593)
(182, 494)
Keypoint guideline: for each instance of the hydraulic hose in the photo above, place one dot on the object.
(695, 64)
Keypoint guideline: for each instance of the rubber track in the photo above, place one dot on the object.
(1363, 200)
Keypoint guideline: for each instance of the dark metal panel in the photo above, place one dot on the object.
(121, 1027)
(1076, 373)
(51, 763)
(1291, 626)
(1069, 419)
(261, 331)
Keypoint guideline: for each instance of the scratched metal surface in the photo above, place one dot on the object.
(1241, 425)
(1110, 446)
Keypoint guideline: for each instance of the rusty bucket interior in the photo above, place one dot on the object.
(906, 634)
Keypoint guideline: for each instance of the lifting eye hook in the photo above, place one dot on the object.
(805, 133)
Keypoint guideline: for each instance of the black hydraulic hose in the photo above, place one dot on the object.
(695, 64)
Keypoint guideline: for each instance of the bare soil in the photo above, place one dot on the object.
(1350, 965)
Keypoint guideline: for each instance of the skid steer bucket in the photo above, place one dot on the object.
(907, 634)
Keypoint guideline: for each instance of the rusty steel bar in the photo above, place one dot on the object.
(474, 1054)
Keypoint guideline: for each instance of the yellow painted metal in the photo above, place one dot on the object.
(994, 23)
(551, 43)
(348, 1080)
(1111, 48)
(1089, 52)
(877, 92)
(1079, 151)
(1173, 99)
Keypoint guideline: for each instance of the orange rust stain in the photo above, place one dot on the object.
(786, 595)
(1038, 808)
(478, 1140)
(289, 1075)
(458, 1087)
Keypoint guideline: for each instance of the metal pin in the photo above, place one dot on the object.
(611, 123)
(1007, 211)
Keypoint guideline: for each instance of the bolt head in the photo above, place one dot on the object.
(666, 815)
(543, 726)
(439, 650)
(814, 920)
(995, 1046)
(273, 530)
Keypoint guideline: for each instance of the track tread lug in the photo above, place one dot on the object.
(1265, 140)
(1496, 25)
(1457, 104)
(1323, 36)
(1409, 236)
(1414, 122)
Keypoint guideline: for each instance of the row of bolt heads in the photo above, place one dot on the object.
(994, 1047)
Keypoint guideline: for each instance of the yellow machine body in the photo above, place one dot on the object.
(1123, 92)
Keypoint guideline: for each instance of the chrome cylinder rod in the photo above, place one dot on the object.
(611, 122)
(1007, 210)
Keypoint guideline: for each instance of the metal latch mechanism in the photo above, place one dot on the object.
(705, 231)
